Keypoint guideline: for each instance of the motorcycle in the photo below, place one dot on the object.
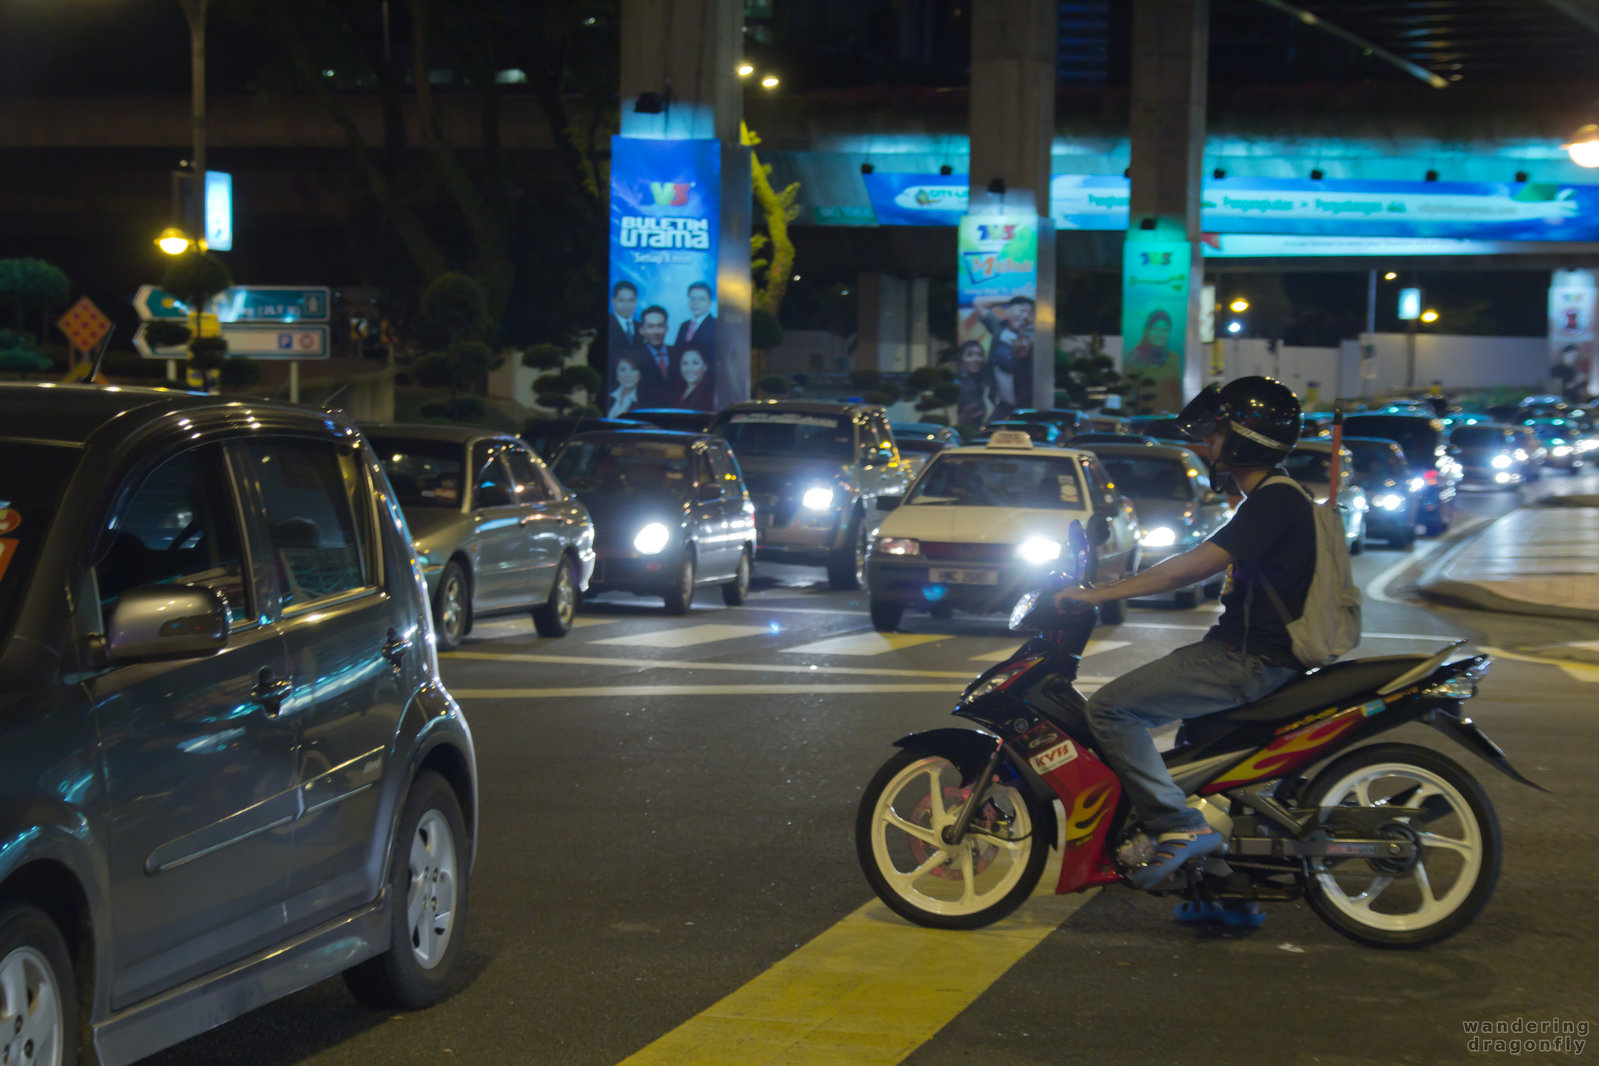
(1393, 845)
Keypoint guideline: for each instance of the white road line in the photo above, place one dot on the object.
(680, 664)
(870, 643)
(683, 636)
(645, 691)
(1094, 647)
(1377, 587)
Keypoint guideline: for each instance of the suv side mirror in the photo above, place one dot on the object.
(1099, 529)
(166, 622)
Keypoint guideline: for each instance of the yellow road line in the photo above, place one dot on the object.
(865, 644)
(1577, 671)
(867, 992)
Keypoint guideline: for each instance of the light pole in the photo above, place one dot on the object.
(194, 11)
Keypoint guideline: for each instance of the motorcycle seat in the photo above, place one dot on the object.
(1324, 687)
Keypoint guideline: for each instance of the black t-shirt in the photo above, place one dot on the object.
(1273, 534)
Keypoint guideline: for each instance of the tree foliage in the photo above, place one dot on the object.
(18, 354)
(33, 285)
(442, 190)
(195, 277)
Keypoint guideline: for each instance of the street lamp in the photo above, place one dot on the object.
(1429, 316)
(745, 70)
(1584, 146)
(1239, 305)
(769, 82)
(1235, 326)
(173, 241)
(1389, 276)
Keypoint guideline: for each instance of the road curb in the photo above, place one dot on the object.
(1435, 584)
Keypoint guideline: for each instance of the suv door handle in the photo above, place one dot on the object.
(270, 692)
(395, 647)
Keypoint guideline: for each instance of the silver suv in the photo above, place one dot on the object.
(814, 472)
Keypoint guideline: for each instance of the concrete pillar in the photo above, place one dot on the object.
(920, 353)
(1169, 69)
(679, 58)
(1012, 125)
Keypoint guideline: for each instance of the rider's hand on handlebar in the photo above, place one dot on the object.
(1080, 594)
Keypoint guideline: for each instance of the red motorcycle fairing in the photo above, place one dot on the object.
(1088, 791)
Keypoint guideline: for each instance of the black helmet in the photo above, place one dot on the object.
(1259, 416)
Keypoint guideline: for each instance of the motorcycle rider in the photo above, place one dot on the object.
(1249, 426)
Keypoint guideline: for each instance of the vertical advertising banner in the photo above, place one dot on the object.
(1571, 333)
(997, 292)
(661, 330)
(1155, 276)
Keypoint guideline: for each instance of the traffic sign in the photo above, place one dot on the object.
(277, 342)
(152, 303)
(258, 342)
(274, 303)
(84, 324)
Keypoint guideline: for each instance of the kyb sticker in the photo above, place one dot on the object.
(1059, 755)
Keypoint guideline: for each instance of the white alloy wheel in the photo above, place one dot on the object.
(31, 1024)
(430, 901)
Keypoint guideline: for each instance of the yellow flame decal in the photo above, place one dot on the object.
(1089, 808)
(1280, 752)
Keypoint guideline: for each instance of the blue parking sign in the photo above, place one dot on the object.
(285, 342)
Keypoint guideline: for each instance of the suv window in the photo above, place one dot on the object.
(179, 527)
(531, 486)
(722, 466)
(319, 518)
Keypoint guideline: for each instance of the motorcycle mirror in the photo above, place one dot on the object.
(1077, 548)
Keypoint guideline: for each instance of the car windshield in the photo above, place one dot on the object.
(1377, 460)
(1419, 437)
(999, 481)
(1149, 478)
(30, 490)
(1311, 466)
(1479, 437)
(782, 433)
(424, 473)
(624, 466)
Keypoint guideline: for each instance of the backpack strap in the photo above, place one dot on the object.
(1276, 600)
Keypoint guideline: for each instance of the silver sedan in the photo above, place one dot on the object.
(494, 531)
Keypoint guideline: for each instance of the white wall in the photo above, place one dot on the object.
(796, 354)
(1456, 362)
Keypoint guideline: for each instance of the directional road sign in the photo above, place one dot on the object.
(258, 342)
(152, 303)
(274, 303)
(243, 303)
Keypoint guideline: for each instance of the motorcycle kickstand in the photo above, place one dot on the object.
(955, 833)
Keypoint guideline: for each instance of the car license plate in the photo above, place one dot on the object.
(963, 577)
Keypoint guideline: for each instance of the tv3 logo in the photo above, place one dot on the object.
(670, 193)
(1155, 258)
(996, 233)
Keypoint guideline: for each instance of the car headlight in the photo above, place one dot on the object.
(1521, 455)
(1389, 501)
(1417, 484)
(652, 539)
(1587, 444)
(1501, 461)
(1038, 550)
(897, 546)
(817, 499)
(1562, 450)
(1159, 537)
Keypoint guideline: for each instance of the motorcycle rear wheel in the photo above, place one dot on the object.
(1378, 903)
(963, 886)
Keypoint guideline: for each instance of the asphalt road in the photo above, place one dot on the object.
(666, 867)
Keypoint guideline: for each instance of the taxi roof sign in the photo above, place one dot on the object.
(1010, 438)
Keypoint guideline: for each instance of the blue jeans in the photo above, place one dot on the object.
(1192, 681)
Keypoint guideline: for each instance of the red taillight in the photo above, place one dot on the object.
(1430, 476)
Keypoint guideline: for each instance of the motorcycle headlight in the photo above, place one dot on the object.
(817, 499)
(1501, 461)
(1159, 537)
(1023, 608)
(652, 539)
(1038, 550)
(897, 546)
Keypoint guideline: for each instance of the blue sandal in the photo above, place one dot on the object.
(1238, 913)
(1174, 849)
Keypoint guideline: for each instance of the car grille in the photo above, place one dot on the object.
(975, 553)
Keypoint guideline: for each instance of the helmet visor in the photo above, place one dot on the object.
(1200, 418)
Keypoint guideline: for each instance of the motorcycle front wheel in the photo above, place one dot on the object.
(921, 877)
(1407, 903)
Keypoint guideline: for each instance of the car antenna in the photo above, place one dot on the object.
(99, 357)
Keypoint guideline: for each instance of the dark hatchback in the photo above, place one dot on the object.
(547, 436)
(230, 768)
(670, 512)
(1425, 443)
(1393, 491)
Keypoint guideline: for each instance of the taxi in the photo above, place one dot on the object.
(982, 525)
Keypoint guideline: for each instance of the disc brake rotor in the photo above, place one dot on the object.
(990, 817)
